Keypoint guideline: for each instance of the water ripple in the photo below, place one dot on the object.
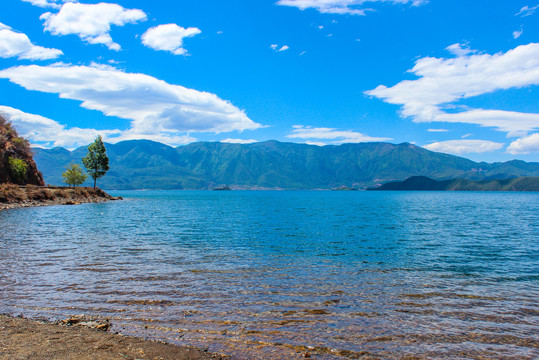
(263, 275)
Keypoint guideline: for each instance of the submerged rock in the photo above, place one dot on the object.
(92, 323)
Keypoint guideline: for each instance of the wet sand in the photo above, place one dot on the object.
(31, 339)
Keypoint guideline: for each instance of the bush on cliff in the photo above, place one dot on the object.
(17, 169)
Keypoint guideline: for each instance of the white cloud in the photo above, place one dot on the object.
(279, 49)
(156, 109)
(337, 136)
(351, 7)
(517, 33)
(466, 135)
(525, 145)
(527, 11)
(48, 133)
(514, 123)
(437, 130)
(168, 37)
(55, 4)
(91, 22)
(239, 141)
(316, 143)
(15, 44)
(460, 49)
(458, 147)
(443, 82)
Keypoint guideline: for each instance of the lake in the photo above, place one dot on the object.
(275, 274)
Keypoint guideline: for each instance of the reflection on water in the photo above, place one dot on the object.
(262, 275)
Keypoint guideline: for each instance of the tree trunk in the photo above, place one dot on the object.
(95, 181)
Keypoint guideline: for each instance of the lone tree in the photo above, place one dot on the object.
(96, 161)
(74, 175)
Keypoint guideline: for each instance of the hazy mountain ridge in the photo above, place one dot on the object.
(144, 164)
(423, 183)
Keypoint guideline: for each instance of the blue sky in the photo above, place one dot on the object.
(453, 76)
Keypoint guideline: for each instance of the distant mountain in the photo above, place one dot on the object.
(143, 164)
(424, 183)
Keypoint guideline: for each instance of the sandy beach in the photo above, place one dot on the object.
(32, 339)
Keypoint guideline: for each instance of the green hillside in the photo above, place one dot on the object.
(143, 164)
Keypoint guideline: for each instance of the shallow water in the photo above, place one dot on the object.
(273, 274)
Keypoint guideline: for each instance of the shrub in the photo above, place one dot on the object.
(37, 193)
(11, 192)
(21, 145)
(59, 193)
(18, 168)
(82, 192)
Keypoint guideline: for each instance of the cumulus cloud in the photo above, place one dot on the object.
(458, 147)
(460, 49)
(517, 33)
(55, 4)
(525, 145)
(351, 7)
(443, 82)
(156, 109)
(15, 44)
(239, 141)
(168, 37)
(527, 11)
(91, 22)
(314, 135)
(40, 130)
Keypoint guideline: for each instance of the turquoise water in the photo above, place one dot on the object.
(271, 274)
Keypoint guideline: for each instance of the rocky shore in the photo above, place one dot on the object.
(72, 339)
(16, 196)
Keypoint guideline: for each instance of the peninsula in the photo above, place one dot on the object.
(22, 185)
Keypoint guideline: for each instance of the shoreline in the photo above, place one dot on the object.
(15, 196)
(24, 338)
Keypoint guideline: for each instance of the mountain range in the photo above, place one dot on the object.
(144, 164)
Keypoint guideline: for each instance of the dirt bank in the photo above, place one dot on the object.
(14, 196)
(36, 340)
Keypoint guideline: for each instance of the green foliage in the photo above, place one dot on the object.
(96, 161)
(18, 168)
(74, 175)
